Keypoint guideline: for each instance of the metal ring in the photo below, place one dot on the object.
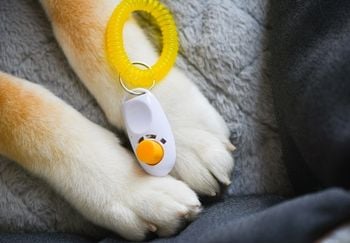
(134, 91)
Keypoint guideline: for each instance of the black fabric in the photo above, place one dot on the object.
(247, 219)
(310, 71)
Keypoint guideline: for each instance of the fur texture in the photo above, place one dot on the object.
(79, 28)
(87, 165)
(227, 66)
(84, 162)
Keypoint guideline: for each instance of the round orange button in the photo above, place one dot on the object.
(149, 152)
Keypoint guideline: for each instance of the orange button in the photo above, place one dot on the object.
(149, 152)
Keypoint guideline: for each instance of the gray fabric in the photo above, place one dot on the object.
(242, 219)
(269, 219)
(222, 51)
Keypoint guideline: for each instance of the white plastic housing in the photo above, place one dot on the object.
(144, 117)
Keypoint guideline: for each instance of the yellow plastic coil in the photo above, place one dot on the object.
(131, 75)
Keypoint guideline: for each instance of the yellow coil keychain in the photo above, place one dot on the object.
(147, 126)
(117, 55)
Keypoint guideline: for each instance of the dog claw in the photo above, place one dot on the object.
(230, 146)
(152, 227)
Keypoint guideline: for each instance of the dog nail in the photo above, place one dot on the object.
(152, 228)
(197, 209)
(183, 214)
(231, 147)
(227, 182)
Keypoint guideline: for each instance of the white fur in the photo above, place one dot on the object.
(86, 164)
(99, 177)
(199, 130)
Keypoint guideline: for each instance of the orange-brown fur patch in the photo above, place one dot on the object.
(75, 19)
(22, 122)
(80, 30)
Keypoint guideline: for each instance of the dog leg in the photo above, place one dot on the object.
(86, 164)
(203, 156)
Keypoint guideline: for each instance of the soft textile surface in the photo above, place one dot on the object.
(251, 219)
(222, 51)
(246, 219)
(310, 73)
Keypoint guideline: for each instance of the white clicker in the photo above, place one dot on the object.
(149, 133)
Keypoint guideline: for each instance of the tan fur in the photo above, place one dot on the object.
(25, 119)
(79, 27)
(75, 19)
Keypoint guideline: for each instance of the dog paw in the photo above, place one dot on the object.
(103, 181)
(204, 152)
(161, 205)
(138, 204)
(203, 160)
(143, 205)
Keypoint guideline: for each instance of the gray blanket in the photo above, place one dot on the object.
(222, 50)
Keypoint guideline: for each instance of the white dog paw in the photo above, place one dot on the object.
(204, 158)
(103, 181)
(161, 205)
